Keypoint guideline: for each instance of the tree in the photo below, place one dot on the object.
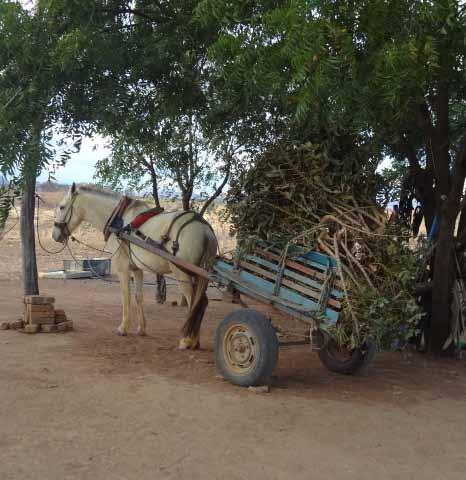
(345, 64)
(176, 157)
(31, 83)
(150, 89)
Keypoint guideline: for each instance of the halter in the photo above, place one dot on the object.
(63, 226)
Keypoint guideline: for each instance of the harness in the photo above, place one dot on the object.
(115, 221)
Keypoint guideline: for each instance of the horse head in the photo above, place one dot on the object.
(66, 219)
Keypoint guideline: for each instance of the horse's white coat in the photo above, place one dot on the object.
(197, 245)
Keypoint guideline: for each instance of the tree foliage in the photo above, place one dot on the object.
(392, 71)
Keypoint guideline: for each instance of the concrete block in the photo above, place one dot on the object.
(46, 309)
(41, 319)
(39, 300)
(62, 275)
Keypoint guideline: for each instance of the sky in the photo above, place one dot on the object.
(80, 167)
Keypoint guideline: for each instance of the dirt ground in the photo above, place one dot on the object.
(91, 405)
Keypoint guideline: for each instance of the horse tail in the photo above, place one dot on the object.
(199, 300)
(199, 304)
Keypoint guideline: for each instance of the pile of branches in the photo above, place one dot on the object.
(302, 194)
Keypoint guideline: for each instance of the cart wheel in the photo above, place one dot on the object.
(246, 348)
(345, 361)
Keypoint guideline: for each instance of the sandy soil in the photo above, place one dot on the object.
(92, 405)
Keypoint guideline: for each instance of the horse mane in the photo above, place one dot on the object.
(107, 193)
(99, 191)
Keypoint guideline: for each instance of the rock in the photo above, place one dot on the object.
(49, 328)
(260, 389)
(16, 324)
(65, 326)
(4, 326)
(174, 303)
(31, 328)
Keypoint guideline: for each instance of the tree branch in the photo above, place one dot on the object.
(425, 122)
(219, 190)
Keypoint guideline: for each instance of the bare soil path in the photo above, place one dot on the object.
(92, 405)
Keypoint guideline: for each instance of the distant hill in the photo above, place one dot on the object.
(51, 187)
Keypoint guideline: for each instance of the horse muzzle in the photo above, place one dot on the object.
(60, 232)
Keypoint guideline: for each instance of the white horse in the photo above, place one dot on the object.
(196, 240)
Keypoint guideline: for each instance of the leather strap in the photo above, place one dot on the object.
(117, 213)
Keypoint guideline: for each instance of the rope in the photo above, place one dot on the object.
(38, 232)
(74, 239)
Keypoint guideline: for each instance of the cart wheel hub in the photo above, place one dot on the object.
(239, 348)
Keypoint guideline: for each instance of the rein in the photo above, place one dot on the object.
(38, 233)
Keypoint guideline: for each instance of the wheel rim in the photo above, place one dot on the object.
(240, 349)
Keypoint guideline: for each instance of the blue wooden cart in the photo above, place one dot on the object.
(303, 285)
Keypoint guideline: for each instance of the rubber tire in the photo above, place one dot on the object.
(265, 336)
(358, 360)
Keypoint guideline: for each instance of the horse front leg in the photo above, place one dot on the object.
(138, 278)
(125, 278)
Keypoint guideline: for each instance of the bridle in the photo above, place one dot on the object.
(63, 226)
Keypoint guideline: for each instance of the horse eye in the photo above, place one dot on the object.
(62, 207)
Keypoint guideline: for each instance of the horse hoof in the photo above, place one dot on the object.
(141, 333)
(188, 344)
(121, 332)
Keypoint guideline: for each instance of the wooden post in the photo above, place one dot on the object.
(28, 242)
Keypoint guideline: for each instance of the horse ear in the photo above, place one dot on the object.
(73, 188)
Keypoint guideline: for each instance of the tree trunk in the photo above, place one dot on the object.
(28, 242)
(442, 281)
(155, 191)
(444, 269)
(424, 190)
(185, 200)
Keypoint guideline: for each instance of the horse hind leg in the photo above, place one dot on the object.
(139, 295)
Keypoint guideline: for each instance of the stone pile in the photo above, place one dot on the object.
(40, 315)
